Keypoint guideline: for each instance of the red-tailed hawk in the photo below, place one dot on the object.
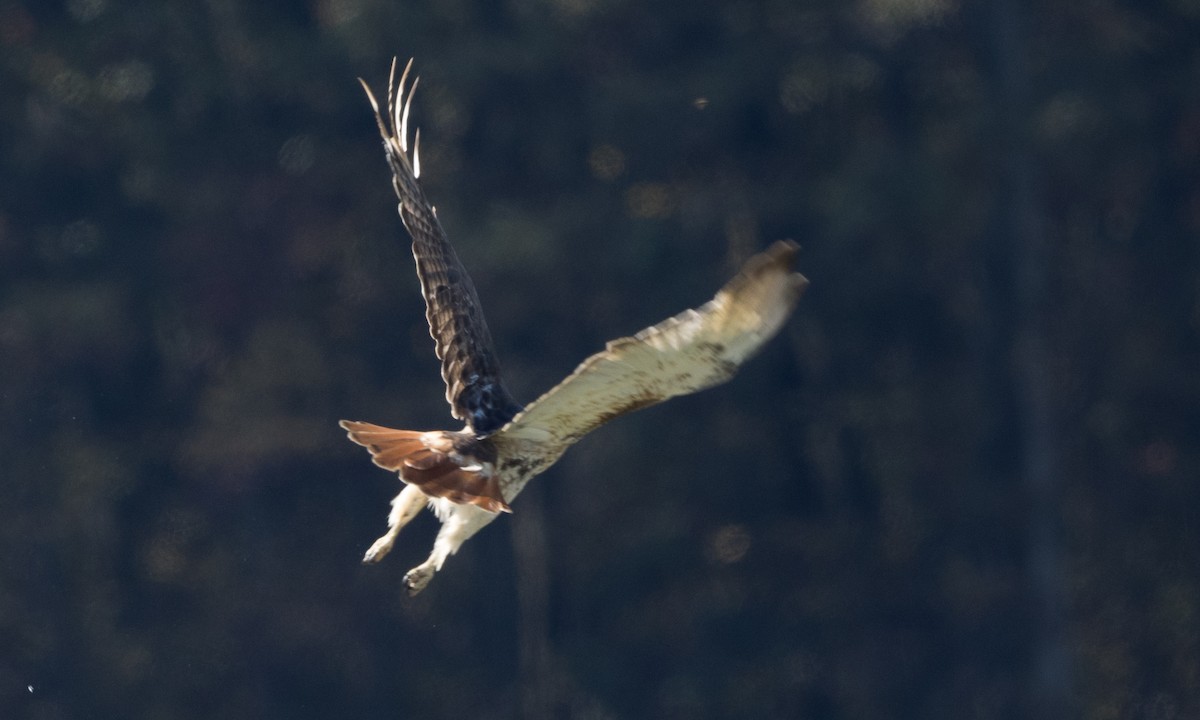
(469, 476)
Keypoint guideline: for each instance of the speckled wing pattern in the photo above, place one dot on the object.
(691, 351)
(461, 338)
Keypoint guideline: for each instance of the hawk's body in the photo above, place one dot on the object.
(469, 476)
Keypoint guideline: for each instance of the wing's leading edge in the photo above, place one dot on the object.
(461, 338)
(691, 351)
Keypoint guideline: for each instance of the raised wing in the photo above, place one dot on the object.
(691, 351)
(461, 338)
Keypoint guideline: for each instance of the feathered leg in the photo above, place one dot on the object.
(459, 523)
(405, 507)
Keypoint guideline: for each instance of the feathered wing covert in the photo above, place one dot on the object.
(476, 394)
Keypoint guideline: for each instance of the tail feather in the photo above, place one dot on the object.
(408, 453)
(423, 459)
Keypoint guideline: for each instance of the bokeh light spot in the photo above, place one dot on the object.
(649, 200)
(607, 162)
(729, 544)
(130, 80)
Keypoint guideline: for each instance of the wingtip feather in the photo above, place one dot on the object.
(780, 256)
(417, 154)
(391, 97)
(406, 100)
(370, 95)
(783, 252)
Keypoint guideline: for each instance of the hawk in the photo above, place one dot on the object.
(469, 476)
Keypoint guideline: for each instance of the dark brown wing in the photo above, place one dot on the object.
(461, 338)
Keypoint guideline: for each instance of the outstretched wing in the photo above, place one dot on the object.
(461, 338)
(691, 351)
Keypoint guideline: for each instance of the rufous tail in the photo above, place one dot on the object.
(408, 453)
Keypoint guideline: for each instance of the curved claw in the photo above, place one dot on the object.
(417, 579)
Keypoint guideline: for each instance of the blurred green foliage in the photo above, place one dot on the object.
(201, 271)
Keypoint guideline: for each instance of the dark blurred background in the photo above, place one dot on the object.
(962, 483)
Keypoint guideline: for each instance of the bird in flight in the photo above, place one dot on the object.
(469, 476)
